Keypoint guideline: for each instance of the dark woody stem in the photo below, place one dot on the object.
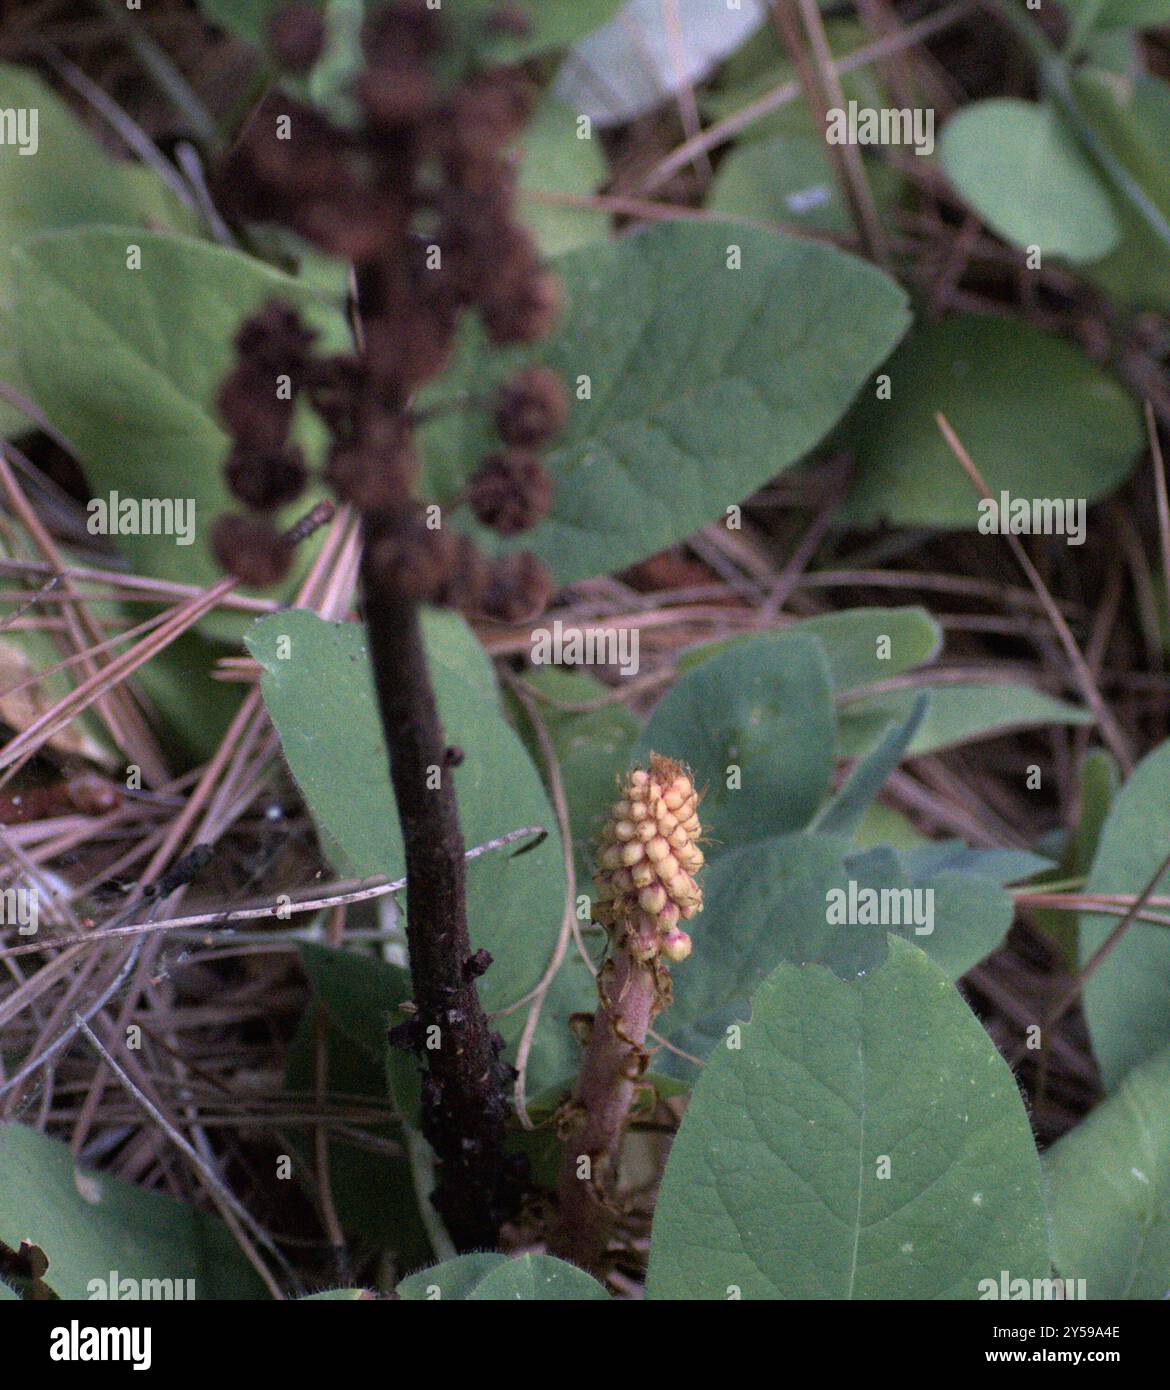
(464, 1104)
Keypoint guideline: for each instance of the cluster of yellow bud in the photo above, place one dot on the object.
(648, 858)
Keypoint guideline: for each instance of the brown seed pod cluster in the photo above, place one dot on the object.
(649, 856)
(418, 195)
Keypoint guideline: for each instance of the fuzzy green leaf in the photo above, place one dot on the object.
(91, 1225)
(1109, 1184)
(709, 381)
(1074, 432)
(774, 1186)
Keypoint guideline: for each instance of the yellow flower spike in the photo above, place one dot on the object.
(648, 857)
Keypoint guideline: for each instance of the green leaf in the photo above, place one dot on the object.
(790, 179)
(453, 1279)
(863, 645)
(127, 364)
(1098, 15)
(843, 814)
(761, 716)
(556, 161)
(1125, 1000)
(1021, 169)
(538, 1278)
(883, 825)
(371, 1183)
(952, 856)
(492, 1276)
(1131, 116)
(1074, 432)
(769, 902)
(361, 994)
(1099, 779)
(90, 1224)
(709, 382)
(957, 714)
(337, 1296)
(70, 181)
(1109, 1190)
(773, 1186)
(593, 749)
(322, 703)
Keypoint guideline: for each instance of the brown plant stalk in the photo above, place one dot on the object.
(428, 149)
(644, 886)
(464, 1100)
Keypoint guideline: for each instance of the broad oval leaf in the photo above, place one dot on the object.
(863, 645)
(559, 163)
(92, 1226)
(127, 363)
(1125, 999)
(1109, 1185)
(70, 180)
(756, 726)
(489, 1275)
(1074, 432)
(1131, 116)
(1023, 172)
(957, 714)
(708, 382)
(769, 902)
(774, 1186)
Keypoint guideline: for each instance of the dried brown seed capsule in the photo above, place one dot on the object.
(257, 418)
(404, 350)
(407, 557)
(525, 313)
(485, 115)
(296, 36)
(397, 94)
(250, 548)
(531, 407)
(288, 152)
(265, 482)
(518, 587)
(473, 223)
(510, 491)
(352, 223)
(508, 19)
(410, 28)
(469, 575)
(276, 339)
(335, 387)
